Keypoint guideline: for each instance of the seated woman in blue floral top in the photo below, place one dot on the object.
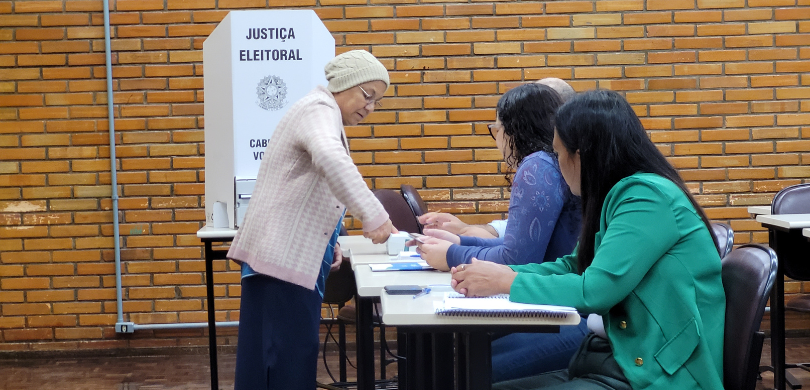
(544, 222)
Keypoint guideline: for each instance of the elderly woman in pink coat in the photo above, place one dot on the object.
(288, 242)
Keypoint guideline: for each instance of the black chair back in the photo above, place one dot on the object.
(793, 200)
(748, 275)
(724, 238)
(415, 201)
(340, 285)
(398, 210)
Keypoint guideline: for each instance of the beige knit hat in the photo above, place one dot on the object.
(354, 68)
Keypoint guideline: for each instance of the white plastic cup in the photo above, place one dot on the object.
(396, 243)
(219, 215)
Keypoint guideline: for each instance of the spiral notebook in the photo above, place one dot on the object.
(455, 304)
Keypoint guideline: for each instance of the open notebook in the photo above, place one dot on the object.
(455, 304)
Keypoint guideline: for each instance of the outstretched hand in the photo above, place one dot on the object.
(443, 221)
(443, 235)
(482, 278)
(380, 234)
(434, 251)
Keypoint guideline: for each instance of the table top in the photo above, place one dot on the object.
(806, 232)
(362, 251)
(759, 210)
(360, 245)
(405, 310)
(785, 221)
(209, 232)
(371, 284)
(375, 259)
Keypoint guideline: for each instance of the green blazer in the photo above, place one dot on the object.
(655, 279)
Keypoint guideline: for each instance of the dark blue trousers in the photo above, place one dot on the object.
(278, 335)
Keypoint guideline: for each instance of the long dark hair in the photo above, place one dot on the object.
(612, 145)
(527, 114)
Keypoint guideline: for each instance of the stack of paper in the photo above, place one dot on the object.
(418, 265)
(497, 306)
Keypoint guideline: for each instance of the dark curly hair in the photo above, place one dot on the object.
(527, 115)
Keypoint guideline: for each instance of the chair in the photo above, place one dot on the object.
(748, 275)
(792, 249)
(724, 238)
(400, 213)
(340, 288)
(414, 201)
(794, 200)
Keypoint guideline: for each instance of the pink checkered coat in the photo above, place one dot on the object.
(305, 179)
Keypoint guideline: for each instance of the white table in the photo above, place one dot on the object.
(759, 210)
(405, 310)
(363, 252)
(416, 317)
(209, 235)
(369, 287)
(782, 232)
(360, 245)
(374, 259)
(370, 284)
(785, 221)
(212, 233)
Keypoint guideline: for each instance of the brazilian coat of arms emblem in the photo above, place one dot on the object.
(271, 93)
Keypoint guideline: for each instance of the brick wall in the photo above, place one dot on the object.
(723, 86)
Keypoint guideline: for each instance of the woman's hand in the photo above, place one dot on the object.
(482, 278)
(442, 221)
(380, 234)
(337, 260)
(433, 251)
(443, 235)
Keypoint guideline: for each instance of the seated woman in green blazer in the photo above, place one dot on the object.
(646, 262)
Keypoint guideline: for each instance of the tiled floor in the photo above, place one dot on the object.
(190, 371)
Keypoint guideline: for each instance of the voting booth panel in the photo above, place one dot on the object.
(257, 64)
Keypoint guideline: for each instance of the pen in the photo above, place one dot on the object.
(424, 291)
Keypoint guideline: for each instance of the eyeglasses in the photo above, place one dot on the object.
(490, 127)
(369, 100)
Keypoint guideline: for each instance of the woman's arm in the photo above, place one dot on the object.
(319, 134)
(534, 208)
(641, 228)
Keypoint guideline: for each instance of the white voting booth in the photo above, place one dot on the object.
(257, 64)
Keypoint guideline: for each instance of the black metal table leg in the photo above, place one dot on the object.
(479, 361)
(777, 316)
(402, 364)
(365, 343)
(442, 367)
(212, 329)
(789, 245)
(461, 361)
(342, 350)
(419, 361)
